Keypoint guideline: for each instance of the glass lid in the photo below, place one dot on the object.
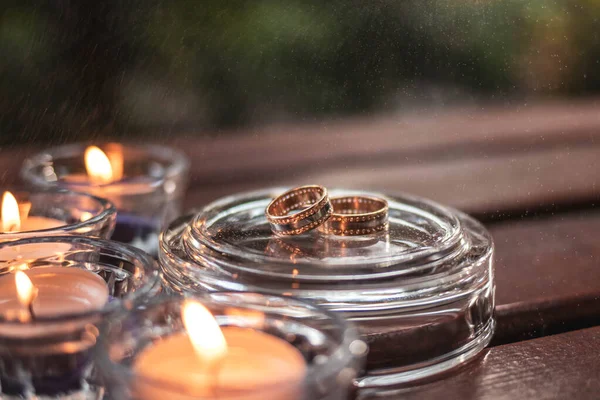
(233, 235)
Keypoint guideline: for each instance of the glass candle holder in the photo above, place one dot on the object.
(46, 347)
(60, 212)
(260, 330)
(421, 293)
(145, 183)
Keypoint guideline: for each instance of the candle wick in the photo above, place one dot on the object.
(30, 305)
(214, 370)
(30, 309)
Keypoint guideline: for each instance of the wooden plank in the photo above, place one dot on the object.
(547, 258)
(488, 162)
(563, 366)
(547, 275)
(485, 186)
(542, 317)
(408, 138)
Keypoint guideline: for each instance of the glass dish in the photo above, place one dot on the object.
(147, 196)
(82, 214)
(421, 294)
(333, 353)
(49, 356)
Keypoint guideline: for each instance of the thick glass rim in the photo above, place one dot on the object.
(176, 164)
(138, 257)
(108, 211)
(341, 356)
(199, 247)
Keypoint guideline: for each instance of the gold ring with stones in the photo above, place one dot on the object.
(357, 215)
(311, 203)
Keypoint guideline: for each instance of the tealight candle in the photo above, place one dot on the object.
(104, 172)
(12, 221)
(54, 212)
(228, 346)
(145, 183)
(49, 326)
(59, 291)
(39, 295)
(48, 292)
(207, 362)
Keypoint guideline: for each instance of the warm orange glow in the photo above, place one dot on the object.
(26, 292)
(98, 166)
(204, 332)
(11, 220)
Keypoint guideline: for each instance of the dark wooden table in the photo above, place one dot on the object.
(531, 174)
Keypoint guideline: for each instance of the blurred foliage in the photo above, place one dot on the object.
(76, 69)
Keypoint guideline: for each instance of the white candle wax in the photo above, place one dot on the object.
(131, 186)
(257, 366)
(34, 223)
(31, 251)
(60, 291)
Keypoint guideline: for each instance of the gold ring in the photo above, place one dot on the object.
(357, 215)
(311, 202)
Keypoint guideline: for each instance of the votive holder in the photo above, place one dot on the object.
(146, 184)
(333, 353)
(48, 355)
(420, 293)
(68, 213)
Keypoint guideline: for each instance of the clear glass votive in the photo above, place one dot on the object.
(46, 350)
(420, 293)
(146, 183)
(54, 212)
(329, 349)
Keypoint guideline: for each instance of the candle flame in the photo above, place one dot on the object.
(98, 166)
(26, 292)
(11, 219)
(204, 332)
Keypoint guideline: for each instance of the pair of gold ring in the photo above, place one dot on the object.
(308, 207)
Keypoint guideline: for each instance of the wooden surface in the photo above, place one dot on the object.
(531, 174)
(486, 186)
(547, 274)
(487, 162)
(533, 250)
(563, 366)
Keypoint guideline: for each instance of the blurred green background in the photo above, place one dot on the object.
(73, 70)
